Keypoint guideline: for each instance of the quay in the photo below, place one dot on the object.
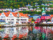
(38, 24)
(3, 26)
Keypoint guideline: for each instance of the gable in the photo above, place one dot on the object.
(6, 14)
(14, 14)
(10, 15)
(2, 15)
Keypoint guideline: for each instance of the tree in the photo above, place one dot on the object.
(33, 20)
(21, 3)
(49, 20)
(42, 6)
(51, 6)
(18, 6)
(33, 5)
(11, 7)
(29, 7)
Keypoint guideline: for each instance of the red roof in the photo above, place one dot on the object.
(15, 14)
(0, 14)
(6, 14)
(51, 15)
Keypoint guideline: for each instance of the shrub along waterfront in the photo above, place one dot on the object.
(35, 12)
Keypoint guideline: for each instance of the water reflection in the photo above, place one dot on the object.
(29, 32)
(14, 30)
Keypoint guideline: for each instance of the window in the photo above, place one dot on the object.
(8, 19)
(10, 14)
(23, 19)
(12, 19)
(16, 22)
(17, 19)
(2, 14)
(18, 15)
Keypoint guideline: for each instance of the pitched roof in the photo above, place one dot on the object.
(0, 14)
(51, 15)
(24, 15)
(20, 14)
(6, 14)
(15, 14)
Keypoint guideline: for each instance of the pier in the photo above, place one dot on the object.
(2, 26)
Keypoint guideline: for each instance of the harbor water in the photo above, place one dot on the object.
(26, 33)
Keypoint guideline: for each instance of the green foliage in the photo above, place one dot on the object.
(33, 20)
(42, 6)
(51, 6)
(18, 3)
(49, 20)
(31, 12)
(28, 7)
(35, 12)
(0, 11)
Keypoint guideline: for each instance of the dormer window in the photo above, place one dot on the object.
(17, 14)
(10, 14)
(2, 14)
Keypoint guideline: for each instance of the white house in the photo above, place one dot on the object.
(23, 8)
(13, 18)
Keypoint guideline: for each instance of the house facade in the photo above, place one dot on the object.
(13, 18)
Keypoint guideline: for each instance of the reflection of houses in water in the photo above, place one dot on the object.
(15, 31)
(13, 18)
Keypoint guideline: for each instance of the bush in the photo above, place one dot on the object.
(1, 11)
(49, 20)
(35, 12)
(31, 12)
(33, 20)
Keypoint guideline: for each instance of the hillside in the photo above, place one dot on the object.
(17, 3)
